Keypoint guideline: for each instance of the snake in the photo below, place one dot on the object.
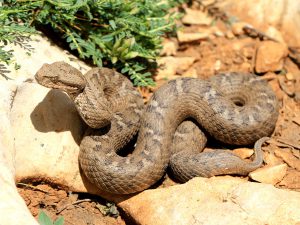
(171, 129)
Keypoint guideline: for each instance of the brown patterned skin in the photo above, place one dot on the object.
(233, 108)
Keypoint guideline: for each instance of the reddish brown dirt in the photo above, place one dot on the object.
(215, 54)
(79, 209)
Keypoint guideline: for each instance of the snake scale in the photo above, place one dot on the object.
(233, 108)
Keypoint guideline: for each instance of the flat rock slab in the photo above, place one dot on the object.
(270, 56)
(263, 14)
(219, 200)
(46, 129)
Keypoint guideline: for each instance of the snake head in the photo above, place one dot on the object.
(62, 76)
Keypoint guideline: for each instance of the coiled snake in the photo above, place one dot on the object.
(233, 108)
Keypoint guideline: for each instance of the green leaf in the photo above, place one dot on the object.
(113, 24)
(44, 219)
(114, 60)
(59, 221)
(131, 55)
(125, 70)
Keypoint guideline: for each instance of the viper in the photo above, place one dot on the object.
(233, 108)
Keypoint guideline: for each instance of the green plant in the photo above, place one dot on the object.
(124, 34)
(12, 32)
(44, 219)
(110, 209)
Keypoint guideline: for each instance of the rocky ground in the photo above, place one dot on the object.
(42, 134)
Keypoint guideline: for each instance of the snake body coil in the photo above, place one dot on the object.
(233, 108)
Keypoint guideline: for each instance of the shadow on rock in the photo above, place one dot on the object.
(58, 113)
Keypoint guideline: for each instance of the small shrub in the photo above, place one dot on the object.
(124, 34)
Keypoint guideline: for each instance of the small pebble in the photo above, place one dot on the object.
(269, 174)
